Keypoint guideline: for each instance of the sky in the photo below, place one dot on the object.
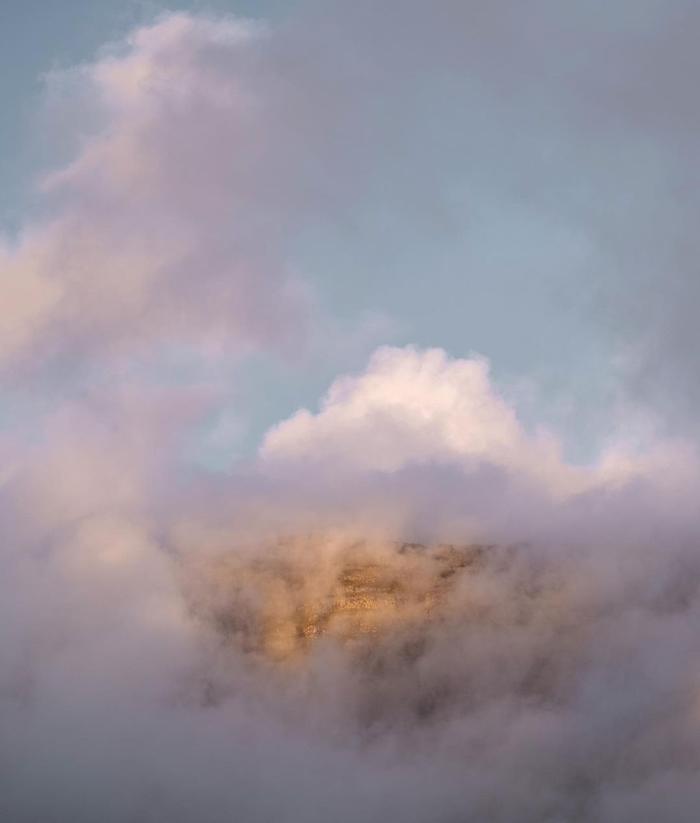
(285, 279)
(439, 240)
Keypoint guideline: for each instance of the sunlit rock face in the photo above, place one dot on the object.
(288, 597)
(372, 635)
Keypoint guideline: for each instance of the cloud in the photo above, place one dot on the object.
(414, 407)
(553, 676)
(408, 406)
(160, 230)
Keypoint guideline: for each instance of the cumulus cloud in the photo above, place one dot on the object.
(413, 407)
(417, 405)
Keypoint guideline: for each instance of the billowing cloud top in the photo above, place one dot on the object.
(413, 407)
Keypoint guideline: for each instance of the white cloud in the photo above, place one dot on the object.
(408, 406)
(420, 407)
(159, 228)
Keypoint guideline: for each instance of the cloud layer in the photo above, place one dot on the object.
(552, 679)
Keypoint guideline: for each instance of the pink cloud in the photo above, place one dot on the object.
(154, 230)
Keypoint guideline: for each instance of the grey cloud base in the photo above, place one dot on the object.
(551, 687)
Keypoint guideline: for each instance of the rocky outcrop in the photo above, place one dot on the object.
(279, 600)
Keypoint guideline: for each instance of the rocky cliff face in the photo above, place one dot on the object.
(281, 600)
(381, 634)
